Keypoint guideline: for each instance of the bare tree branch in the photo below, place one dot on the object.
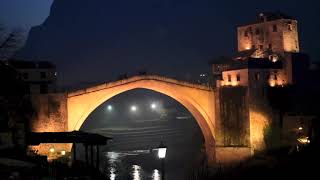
(9, 42)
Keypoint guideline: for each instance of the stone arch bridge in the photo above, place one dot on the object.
(68, 111)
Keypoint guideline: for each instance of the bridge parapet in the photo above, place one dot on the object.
(139, 78)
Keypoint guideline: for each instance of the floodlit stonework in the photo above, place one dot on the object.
(67, 112)
(278, 34)
(199, 100)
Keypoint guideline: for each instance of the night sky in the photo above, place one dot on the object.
(24, 14)
(172, 37)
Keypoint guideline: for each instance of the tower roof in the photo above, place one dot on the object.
(271, 16)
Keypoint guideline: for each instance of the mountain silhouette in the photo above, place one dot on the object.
(96, 40)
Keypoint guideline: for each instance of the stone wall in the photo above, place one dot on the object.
(51, 113)
(232, 124)
(261, 115)
(232, 155)
(279, 35)
(243, 116)
(51, 116)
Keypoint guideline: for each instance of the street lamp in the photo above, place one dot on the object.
(162, 151)
(109, 107)
(133, 108)
(153, 106)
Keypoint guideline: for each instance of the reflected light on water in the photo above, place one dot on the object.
(136, 172)
(113, 157)
(155, 175)
(112, 173)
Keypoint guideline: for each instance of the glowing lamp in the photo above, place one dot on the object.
(109, 108)
(63, 153)
(300, 128)
(304, 140)
(162, 150)
(51, 150)
(274, 59)
(272, 83)
(153, 106)
(133, 108)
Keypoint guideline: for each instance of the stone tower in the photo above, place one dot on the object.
(273, 32)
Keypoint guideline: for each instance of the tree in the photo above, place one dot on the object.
(15, 106)
(10, 41)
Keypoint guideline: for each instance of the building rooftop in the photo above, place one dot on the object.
(67, 137)
(263, 63)
(253, 63)
(269, 16)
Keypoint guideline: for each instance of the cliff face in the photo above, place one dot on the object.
(107, 38)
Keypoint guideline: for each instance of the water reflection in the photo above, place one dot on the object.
(136, 172)
(118, 171)
(112, 173)
(155, 175)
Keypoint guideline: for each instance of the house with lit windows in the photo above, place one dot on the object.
(268, 64)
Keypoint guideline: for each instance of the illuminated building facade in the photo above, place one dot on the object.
(262, 47)
(268, 57)
(274, 32)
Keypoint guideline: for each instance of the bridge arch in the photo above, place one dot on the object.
(197, 99)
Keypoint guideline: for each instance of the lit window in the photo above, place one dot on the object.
(274, 58)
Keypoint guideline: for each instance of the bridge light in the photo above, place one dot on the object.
(109, 107)
(133, 108)
(153, 106)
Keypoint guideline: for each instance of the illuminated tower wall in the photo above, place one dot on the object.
(274, 32)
